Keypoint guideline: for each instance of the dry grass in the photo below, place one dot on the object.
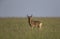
(18, 28)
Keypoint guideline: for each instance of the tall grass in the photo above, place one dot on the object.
(18, 28)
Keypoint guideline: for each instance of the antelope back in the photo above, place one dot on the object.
(35, 23)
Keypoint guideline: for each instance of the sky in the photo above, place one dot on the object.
(22, 8)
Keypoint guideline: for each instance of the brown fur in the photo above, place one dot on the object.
(33, 23)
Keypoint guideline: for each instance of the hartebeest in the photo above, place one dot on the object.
(33, 23)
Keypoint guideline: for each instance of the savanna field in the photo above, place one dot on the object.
(18, 28)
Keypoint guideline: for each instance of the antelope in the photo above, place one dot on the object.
(33, 23)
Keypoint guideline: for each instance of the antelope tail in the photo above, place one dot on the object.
(40, 25)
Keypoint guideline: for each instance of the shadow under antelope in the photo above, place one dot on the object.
(33, 23)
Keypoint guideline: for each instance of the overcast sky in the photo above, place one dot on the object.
(20, 8)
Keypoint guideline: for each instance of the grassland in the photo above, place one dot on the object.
(18, 28)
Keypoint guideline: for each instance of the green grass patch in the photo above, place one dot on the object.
(18, 28)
